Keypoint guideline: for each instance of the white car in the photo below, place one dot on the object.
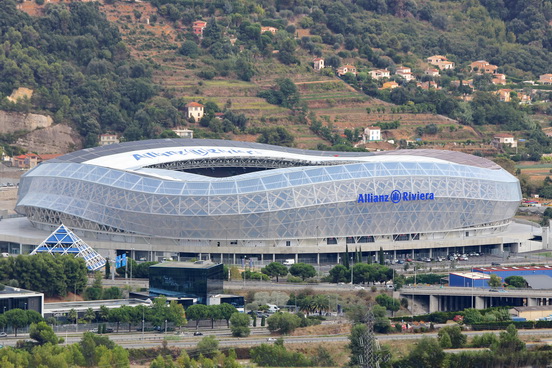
(271, 339)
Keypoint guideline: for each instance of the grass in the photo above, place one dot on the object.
(545, 254)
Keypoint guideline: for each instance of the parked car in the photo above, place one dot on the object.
(272, 339)
(197, 333)
(495, 264)
(3, 334)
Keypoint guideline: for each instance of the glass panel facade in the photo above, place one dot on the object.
(186, 282)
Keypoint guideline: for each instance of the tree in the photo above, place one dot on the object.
(495, 281)
(516, 281)
(17, 318)
(509, 342)
(278, 136)
(340, 273)
(388, 302)
(112, 293)
(275, 269)
(457, 339)
(90, 315)
(444, 340)
(43, 333)
(240, 325)
(190, 49)
(426, 353)
(89, 345)
(208, 346)
(283, 323)
(197, 312)
(107, 269)
(176, 314)
(226, 312)
(72, 315)
(302, 270)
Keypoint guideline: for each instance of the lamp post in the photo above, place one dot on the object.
(143, 320)
(351, 265)
(165, 326)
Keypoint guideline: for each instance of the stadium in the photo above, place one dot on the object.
(228, 200)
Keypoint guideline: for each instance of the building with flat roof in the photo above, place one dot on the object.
(522, 271)
(62, 308)
(197, 280)
(17, 298)
(469, 279)
(226, 200)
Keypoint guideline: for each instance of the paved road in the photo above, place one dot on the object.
(152, 340)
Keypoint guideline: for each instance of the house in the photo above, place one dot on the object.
(524, 98)
(371, 134)
(26, 161)
(545, 79)
(346, 69)
(198, 26)
(504, 95)
(427, 85)
(272, 30)
(318, 64)
(194, 110)
(183, 132)
(390, 85)
(456, 83)
(503, 139)
(499, 79)
(108, 138)
(405, 72)
(483, 67)
(432, 72)
(379, 73)
(440, 62)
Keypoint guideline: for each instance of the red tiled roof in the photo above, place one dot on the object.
(194, 104)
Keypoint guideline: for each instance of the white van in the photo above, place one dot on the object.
(272, 308)
(289, 262)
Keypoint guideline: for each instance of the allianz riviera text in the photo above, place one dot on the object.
(396, 196)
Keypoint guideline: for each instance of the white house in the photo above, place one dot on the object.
(194, 110)
(371, 134)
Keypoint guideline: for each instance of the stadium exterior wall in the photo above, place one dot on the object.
(358, 197)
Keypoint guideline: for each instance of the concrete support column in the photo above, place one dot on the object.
(412, 253)
(296, 257)
(394, 254)
(262, 259)
(430, 253)
(318, 259)
(200, 256)
(532, 302)
(273, 257)
(501, 248)
(479, 302)
(480, 249)
(234, 262)
(433, 303)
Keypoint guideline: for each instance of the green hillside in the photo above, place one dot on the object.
(130, 68)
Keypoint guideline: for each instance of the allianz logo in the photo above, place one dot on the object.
(396, 196)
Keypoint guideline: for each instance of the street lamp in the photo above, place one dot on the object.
(143, 320)
(165, 326)
(351, 265)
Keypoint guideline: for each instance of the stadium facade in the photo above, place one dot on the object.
(225, 200)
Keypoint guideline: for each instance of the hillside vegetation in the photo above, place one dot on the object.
(132, 70)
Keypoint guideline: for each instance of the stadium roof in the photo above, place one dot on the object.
(138, 154)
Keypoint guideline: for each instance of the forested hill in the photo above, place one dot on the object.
(81, 71)
(77, 65)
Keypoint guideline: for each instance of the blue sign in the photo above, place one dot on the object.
(120, 261)
(395, 196)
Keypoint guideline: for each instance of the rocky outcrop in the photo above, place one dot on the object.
(58, 138)
(14, 121)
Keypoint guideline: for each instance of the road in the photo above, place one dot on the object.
(188, 341)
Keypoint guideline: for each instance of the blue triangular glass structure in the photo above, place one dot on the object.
(64, 241)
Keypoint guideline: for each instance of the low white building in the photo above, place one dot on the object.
(183, 132)
(503, 139)
(371, 134)
(107, 139)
